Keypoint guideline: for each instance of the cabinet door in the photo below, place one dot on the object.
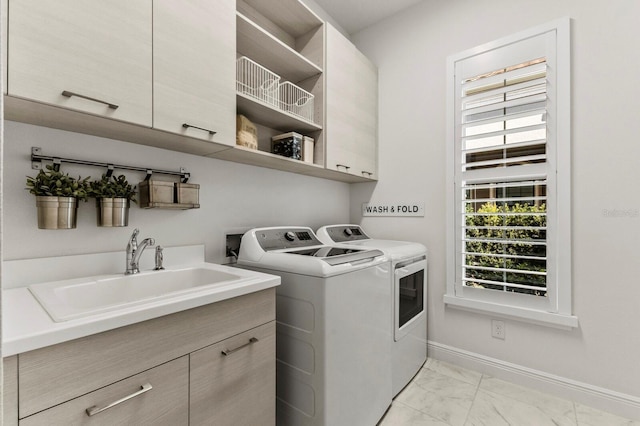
(52, 375)
(155, 397)
(237, 388)
(10, 391)
(94, 56)
(194, 68)
(352, 108)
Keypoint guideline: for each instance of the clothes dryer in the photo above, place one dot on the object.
(333, 342)
(408, 281)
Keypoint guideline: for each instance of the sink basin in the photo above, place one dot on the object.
(71, 299)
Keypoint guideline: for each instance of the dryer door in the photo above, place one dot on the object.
(409, 296)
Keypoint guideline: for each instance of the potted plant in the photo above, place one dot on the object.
(113, 198)
(57, 196)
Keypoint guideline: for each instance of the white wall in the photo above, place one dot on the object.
(322, 14)
(232, 196)
(410, 50)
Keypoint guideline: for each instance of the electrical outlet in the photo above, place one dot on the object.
(497, 329)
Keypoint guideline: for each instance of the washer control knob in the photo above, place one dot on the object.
(290, 236)
(348, 232)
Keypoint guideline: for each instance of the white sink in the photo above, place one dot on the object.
(77, 298)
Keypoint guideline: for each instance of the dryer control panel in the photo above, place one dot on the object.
(285, 238)
(346, 233)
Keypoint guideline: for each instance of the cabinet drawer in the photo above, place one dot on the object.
(58, 373)
(166, 401)
(237, 388)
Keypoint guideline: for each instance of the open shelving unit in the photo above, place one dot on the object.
(287, 38)
(265, 114)
(258, 44)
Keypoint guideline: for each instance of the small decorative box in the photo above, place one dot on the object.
(287, 145)
(153, 192)
(187, 193)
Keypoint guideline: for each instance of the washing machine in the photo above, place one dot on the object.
(333, 337)
(408, 281)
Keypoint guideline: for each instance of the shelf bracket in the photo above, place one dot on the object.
(36, 162)
(109, 172)
(184, 175)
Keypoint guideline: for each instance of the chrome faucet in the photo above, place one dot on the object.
(134, 252)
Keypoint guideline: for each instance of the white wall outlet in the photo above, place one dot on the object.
(497, 329)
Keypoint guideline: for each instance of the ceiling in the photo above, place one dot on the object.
(354, 15)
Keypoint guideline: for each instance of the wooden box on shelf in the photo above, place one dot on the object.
(153, 192)
(188, 193)
(168, 195)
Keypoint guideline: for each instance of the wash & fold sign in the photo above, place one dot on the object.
(393, 209)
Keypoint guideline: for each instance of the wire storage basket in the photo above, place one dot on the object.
(254, 80)
(296, 101)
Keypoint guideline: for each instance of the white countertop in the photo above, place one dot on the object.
(27, 326)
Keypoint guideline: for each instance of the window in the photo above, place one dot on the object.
(509, 245)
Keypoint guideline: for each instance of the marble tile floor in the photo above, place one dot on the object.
(443, 394)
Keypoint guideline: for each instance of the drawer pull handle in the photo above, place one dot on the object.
(70, 94)
(230, 351)
(342, 165)
(187, 125)
(92, 411)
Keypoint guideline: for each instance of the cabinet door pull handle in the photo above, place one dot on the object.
(230, 351)
(92, 411)
(367, 173)
(69, 94)
(342, 165)
(187, 125)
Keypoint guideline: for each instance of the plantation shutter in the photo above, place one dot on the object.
(509, 176)
(502, 166)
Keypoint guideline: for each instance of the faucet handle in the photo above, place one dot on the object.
(133, 239)
(159, 259)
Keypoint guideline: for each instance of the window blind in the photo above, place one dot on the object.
(503, 151)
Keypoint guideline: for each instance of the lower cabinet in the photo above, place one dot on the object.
(232, 382)
(155, 397)
(211, 365)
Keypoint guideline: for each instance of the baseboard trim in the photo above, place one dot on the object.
(604, 399)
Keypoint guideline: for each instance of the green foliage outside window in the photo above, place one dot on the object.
(518, 225)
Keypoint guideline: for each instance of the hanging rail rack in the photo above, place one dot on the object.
(37, 158)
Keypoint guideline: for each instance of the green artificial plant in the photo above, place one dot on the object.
(112, 187)
(51, 182)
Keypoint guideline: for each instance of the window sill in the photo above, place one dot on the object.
(549, 319)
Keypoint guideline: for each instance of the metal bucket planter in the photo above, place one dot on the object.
(56, 212)
(113, 211)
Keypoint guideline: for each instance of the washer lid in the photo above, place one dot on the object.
(355, 236)
(338, 255)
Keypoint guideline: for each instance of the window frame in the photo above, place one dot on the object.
(556, 312)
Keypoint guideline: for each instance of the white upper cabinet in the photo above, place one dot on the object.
(352, 108)
(194, 68)
(93, 56)
(163, 73)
